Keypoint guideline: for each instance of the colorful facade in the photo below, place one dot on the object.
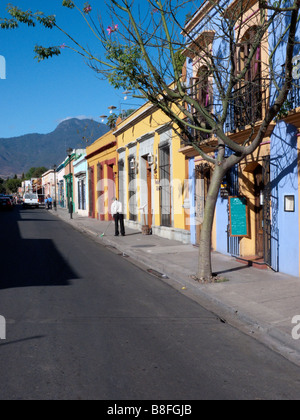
(269, 178)
(66, 182)
(163, 184)
(80, 185)
(60, 182)
(101, 159)
(48, 183)
(151, 174)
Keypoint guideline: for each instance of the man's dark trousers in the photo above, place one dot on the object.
(119, 218)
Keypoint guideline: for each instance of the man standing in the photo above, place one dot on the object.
(117, 212)
(49, 201)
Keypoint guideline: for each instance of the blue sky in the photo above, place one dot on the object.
(35, 97)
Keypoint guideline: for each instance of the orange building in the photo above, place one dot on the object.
(102, 176)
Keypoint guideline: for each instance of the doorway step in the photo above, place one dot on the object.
(253, 261)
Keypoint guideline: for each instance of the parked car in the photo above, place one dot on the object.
(6, 203)
(30, 200)
(12, 199)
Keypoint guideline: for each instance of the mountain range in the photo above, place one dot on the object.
(19, 154)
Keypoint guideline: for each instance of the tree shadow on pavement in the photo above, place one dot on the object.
(230, 270)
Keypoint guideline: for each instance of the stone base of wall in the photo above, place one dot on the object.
(83, 213)
(173, 234)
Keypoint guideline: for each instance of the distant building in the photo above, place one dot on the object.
(81, 195)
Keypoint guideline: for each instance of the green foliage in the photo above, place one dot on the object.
(2, 186)
(128, 65)
(19, 16)
(30, 19)
(35, 172)
(111, 121)
(47, 21)
(8, 24)
(127, 113)
(12, 185)
(280, 3)
(179, 60)
(284, 111)
(43, 53)
(68, 3)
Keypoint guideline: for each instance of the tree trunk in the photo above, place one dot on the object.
(205, 265)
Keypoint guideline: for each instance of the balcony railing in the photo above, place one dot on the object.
(294, 96)
(246, 107)
(198, 136)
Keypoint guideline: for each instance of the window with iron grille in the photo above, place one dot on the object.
(81, 194)
(132, 189)
(202, 92)
(247, 97)
(165, 187)
(121, 174)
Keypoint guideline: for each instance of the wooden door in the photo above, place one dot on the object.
(258, 193)
(165, 188)
(149, 185)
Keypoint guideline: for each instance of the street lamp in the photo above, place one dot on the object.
(70, 202)
(126, 93)
(112, 108)
(55, 205)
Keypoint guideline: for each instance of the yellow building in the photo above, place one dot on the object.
(102, 169)
(152, 174)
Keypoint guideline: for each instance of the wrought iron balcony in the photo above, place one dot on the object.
(198, 136)
(294, 96)
(246, 107)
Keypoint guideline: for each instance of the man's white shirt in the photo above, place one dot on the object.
(116, 207)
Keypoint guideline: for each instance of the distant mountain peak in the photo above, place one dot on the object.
(77, 123)
(19, 154)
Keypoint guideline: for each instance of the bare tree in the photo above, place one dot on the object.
(240, 76)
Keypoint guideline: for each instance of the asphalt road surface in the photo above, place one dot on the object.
(84, 323)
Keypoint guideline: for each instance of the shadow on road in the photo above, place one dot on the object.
(36, 337)
(29, 262)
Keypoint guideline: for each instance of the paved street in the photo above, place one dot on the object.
(84, 323)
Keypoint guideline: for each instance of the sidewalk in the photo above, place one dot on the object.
(260, 303)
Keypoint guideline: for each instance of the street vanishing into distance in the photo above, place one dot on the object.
(84, 323)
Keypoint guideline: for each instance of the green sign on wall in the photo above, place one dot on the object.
(238, 212)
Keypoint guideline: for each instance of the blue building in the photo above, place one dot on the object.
(81, 197)
(268, 178)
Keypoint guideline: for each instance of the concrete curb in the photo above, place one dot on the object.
(263, 332)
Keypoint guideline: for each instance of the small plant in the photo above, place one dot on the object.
(284, 111)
